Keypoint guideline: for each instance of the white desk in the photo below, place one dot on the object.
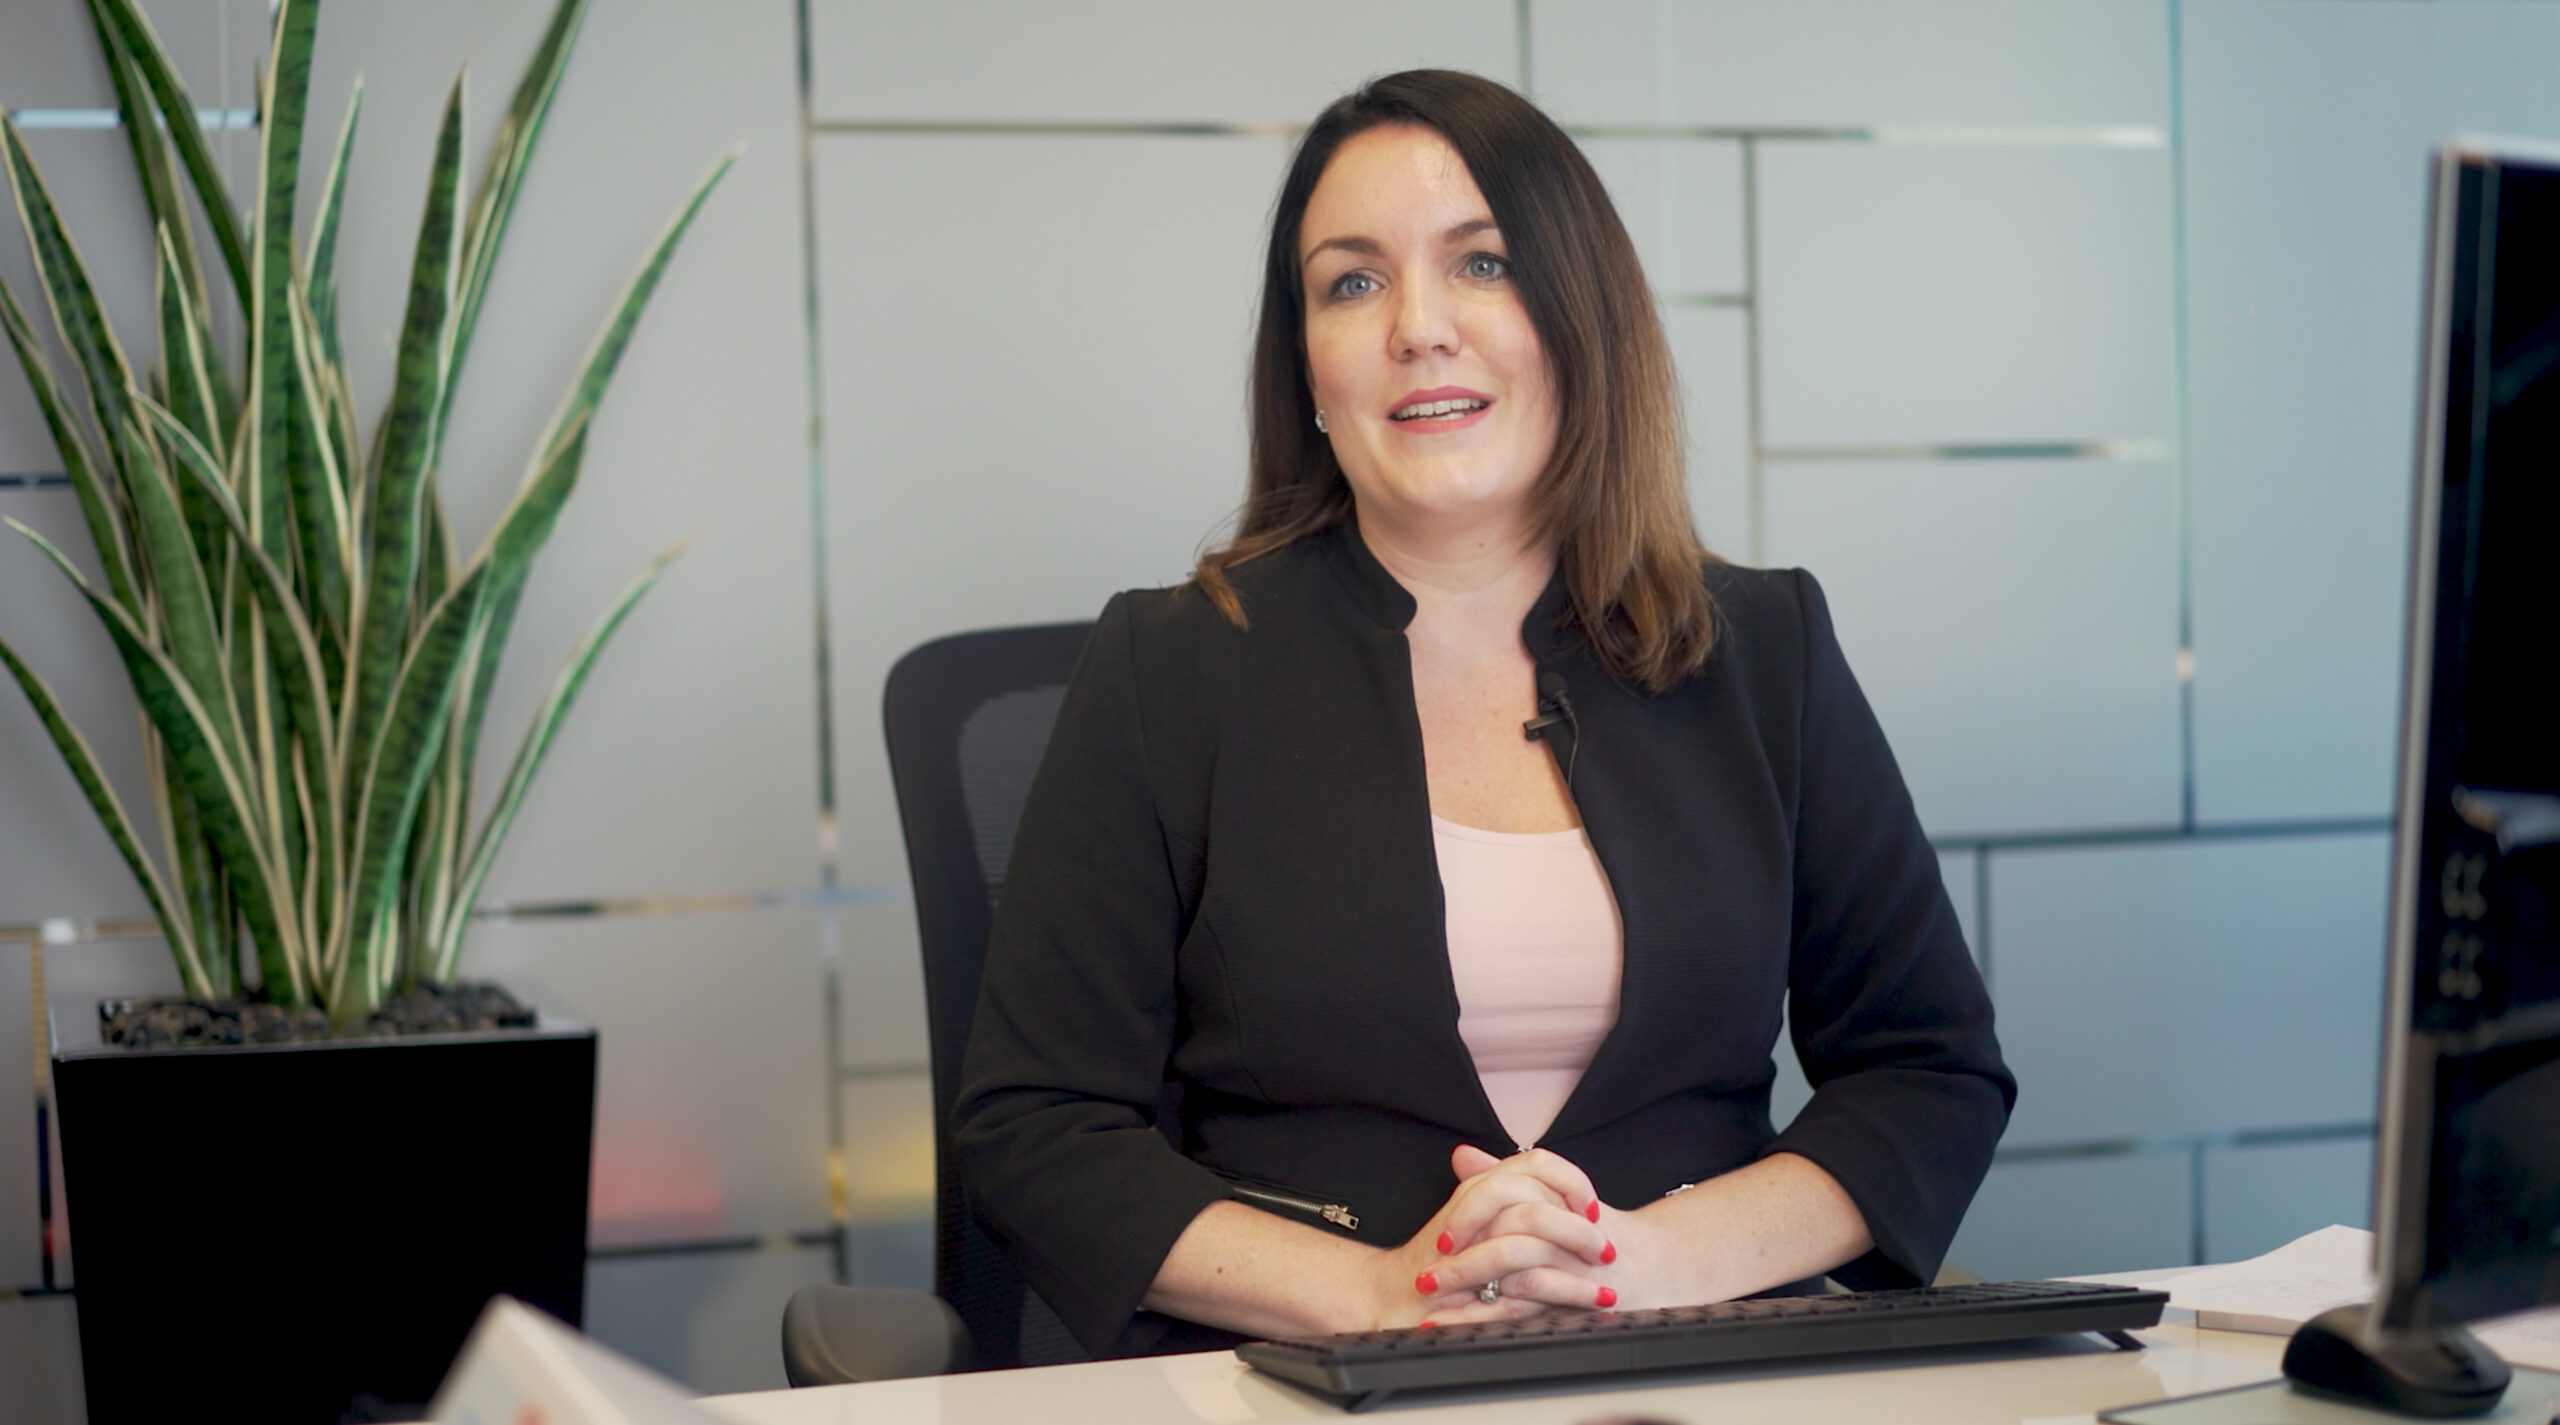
(2070, 1378)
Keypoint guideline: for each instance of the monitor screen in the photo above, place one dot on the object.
(2468, 1205)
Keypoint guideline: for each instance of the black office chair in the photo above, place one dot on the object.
(967, 717)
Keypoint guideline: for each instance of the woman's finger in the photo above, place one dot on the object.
(1568, 1230)
(1469, 1268)
(1468, 1308)
(1480, 1197)
(1563, 1289)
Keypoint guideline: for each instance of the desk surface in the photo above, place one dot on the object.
(2050, 1382)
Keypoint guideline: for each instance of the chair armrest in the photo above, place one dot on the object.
(834, 1335)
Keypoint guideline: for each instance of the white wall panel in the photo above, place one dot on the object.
(711, 1097)
(1161, 61)
(1711, 346)
(882, 1011)
(1035, 373)
(40, 1361)
(2186, 987)
(1964, 295)
(2258, 1199)
(2013, 622)
(888, 1138)
(689, 763)
(711, 1322)
(1850, 62)
(2077, 1216)
(51, 59)
(1681, 200)
(2308, 130)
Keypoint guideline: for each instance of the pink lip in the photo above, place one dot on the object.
(1441, 393)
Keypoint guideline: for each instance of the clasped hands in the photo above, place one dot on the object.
(1532, 1225)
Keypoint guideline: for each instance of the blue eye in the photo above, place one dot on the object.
(1485, 267)
(1352, 284)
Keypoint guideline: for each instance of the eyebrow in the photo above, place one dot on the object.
(1369, 246)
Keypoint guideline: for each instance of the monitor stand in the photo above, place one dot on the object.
(2333, 1379)
(2436, 1373)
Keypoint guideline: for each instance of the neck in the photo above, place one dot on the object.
(1482, 578)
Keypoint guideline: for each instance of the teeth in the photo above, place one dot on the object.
(1428, 410)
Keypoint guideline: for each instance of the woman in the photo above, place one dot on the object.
(1321, 998)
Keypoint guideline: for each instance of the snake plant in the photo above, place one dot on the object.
(312, 655)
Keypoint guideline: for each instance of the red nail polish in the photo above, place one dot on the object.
(1448, 1244)
(1608, 1297)
(1426, 1325)
(1608, 1253)
(1593, 1211)
(1427, 1284)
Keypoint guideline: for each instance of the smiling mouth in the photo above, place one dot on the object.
(1452, 410)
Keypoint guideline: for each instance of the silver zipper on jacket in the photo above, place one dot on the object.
(1333, 1212)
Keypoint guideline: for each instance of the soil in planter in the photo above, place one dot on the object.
(460, 1008)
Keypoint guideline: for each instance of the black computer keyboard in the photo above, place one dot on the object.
(1369, 1364)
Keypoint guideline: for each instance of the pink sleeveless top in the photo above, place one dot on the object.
(1534, 947)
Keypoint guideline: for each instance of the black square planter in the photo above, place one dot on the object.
(305, 1229)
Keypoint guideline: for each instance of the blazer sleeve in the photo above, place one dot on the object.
(1887, 1009)
(1055, 1119)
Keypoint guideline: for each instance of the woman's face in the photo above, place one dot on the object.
(1432, 383)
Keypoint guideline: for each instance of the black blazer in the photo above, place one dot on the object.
(1219, 958)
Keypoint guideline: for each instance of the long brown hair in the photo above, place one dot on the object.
(1610, 499)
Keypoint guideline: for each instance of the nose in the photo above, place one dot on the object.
(1426, 321)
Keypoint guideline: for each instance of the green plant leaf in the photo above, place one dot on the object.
(493, 204)
(196, 642)
(398, 483)
(76, 313)
(321, 268)
(99, 503)
(102, 798)
(321, 529)
(386, 803)
(161, 196)
(185, 343)
(222, 793)
(300, 674)
(304, 683)
(151, 59)
(182, 354)
(529, 755)
(286, 93)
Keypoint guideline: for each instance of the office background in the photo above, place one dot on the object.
(2073, 345)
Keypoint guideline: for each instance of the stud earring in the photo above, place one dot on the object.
(1321, 427)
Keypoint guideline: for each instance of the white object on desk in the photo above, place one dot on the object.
(2331, 1267)
(520, 1365)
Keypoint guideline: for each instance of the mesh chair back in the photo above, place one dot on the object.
(967, 719)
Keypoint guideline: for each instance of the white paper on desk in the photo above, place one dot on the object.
(520, 1365)
(2331, 1267)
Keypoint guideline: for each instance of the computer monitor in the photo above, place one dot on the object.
(2467, 1165)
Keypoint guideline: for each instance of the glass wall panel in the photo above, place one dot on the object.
(2079, 1215)
(2258, 1199)
(1964, 295)
(2308, 131)
(1840, 62)
(2189, 987)
(2014, 623)
(1134, 61)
